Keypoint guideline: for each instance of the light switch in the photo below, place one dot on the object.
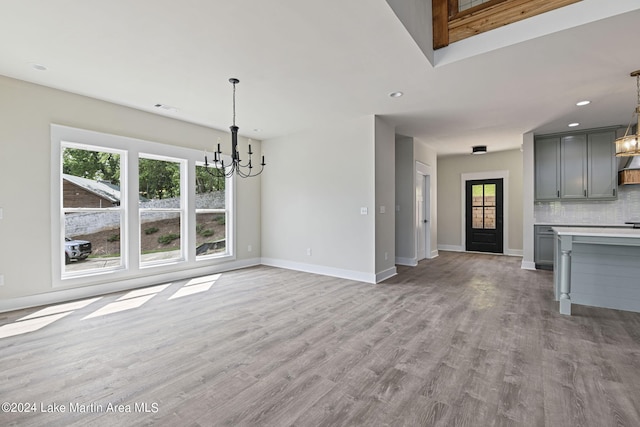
(364, 211)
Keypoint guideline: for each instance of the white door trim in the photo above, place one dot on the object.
(423, 170)
(505, 199)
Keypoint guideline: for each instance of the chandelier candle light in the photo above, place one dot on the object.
(629, 144)
(219, 169)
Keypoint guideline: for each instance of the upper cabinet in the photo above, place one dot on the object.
(576, 166)
(547, 168)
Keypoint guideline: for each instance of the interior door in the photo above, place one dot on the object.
(484, 216)
(420, 218)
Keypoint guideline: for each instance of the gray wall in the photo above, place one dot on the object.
(313, 198)
(451, 209)
(27, 111)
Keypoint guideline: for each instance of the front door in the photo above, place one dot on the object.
(484, 216)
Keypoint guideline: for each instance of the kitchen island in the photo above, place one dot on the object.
(598, 267)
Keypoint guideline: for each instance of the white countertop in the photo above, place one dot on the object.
(597, 232)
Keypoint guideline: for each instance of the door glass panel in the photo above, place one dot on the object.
(489, 194)
(477, 193)
(490, 218)
(477, 218)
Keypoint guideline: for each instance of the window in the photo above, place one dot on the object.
(91, 208)
(161, 209)
(468, 4)
(211, 214)
(484, 206)
(127, 204)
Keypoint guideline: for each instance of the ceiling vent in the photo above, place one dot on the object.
(166, 108)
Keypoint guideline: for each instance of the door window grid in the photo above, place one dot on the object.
(483, 206)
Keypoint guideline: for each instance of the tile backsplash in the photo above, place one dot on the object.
(626, 208)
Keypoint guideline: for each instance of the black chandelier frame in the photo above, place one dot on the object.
(218, 168)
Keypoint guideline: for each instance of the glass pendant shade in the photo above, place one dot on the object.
(629, 144)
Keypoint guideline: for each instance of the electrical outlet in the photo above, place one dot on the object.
(383, 209)
(1, 279)
(309, 251)
(364, 211)
(1, 213)
(386, 256)
(249, 248)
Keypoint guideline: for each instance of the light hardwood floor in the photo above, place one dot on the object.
(460, 340)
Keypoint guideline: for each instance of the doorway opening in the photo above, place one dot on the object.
(484, 203)
(423, 213)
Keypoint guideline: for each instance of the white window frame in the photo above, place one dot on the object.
(182, 211)
(228, 221)
(131, 270)
(119, 209)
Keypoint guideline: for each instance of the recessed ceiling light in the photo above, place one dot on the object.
(39, 67)
(581, 103)
(396, 94)
(572, 125)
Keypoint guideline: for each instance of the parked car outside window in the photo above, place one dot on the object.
(76, 249)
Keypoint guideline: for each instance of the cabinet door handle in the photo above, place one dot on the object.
(614, 191)
(585, 193)
(558, 193)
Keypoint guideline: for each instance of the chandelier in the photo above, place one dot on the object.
(629, 144)
(218, 168)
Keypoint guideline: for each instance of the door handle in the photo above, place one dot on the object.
(425, 221)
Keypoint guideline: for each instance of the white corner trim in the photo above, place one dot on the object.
(384, 275)
(434, 254)
(528, 265)
(320, 269)
(409, 262)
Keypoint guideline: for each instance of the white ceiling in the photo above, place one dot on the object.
(303, 63)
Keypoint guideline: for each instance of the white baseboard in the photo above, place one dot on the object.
(320, 269)
(65, 295)
(384, 275)
(434, 254)
(513, 252)
(528, 265)
(451, 248)
(409, 262)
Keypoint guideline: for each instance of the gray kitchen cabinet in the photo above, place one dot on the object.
(603, 171)
(576, 166)
(543, 253)
(547, 168)
(573, 167)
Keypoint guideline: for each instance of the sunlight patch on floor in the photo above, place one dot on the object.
(118, 306)
(195, 286)
(60, 308)
(30, 325)
(144, 291)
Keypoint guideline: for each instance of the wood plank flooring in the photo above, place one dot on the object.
(460, 340)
